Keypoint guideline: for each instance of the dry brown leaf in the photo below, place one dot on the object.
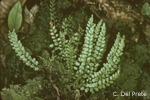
(121, 13)
(2, 60)
(117, 15)
(147, 32)
(135, 37)
(29, 15)
(77, 95)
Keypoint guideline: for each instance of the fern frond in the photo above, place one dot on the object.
(20, 50)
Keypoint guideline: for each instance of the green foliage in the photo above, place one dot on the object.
(52, 13)
(132, 76)
(41, 19)
(36, 42)
(62, 4)
(13, 73)
(128, 78)
(47, 61)
(142, 54)
(146, 9)
(15, 17)
(20, 50)
(88, 61)
(27, 92)
(79, 65)
(76, 54)
(8, 94)
(7, 50)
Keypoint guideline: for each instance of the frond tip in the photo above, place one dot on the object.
(20, 50)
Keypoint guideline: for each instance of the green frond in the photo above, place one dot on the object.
(21, 53)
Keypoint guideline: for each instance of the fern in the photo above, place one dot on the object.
(80, 66)
(20, 50)
(88, 61)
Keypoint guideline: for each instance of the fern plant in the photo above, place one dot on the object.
(83, 66)
(80, 65)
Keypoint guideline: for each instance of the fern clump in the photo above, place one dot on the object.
(81, 59)
(85, 64)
